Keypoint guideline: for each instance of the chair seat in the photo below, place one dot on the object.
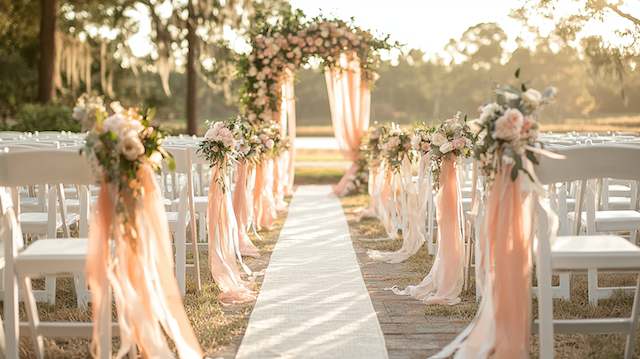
(50, 256)
(601, 251)
(37, 222)
(619, 203)
(612, 221)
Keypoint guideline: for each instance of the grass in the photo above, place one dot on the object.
(218, 329)
(566, 345)
(310, 175)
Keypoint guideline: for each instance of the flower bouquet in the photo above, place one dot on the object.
(451, 139)
(129, 245)
(88, 110)
(507, 129)
(395, 147)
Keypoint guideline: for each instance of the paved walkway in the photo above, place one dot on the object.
(313, 302)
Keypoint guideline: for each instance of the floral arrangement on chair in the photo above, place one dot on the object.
(121, 144)
(421, 138)
(395, 147)
(129, 246)
(219, 146)
(452, 138)
(507, 129)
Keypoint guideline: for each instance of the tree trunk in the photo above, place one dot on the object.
(192, 38)
(46, 90)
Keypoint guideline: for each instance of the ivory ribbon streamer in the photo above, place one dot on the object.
(413, 214)
(386, 205)
(502, 325)
(264, 204)
(443, 284)
(140, 273)
(242, 206)
(280, 174)
(224, 251)
(373, 191)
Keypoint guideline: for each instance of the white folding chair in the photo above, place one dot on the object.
(583, 253)
(184, 217)
(43, 257)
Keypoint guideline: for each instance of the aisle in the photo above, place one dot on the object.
(313, 302)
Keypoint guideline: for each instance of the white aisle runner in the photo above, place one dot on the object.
(313, 302)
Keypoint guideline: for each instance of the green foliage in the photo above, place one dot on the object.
(37, 117)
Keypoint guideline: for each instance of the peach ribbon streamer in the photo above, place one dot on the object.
(242, 207)
(501, 328)
(138, 267)
(443, 284)
(350, 103)
(280, 180)
(224, 252)
(386, 205)
(264, 204)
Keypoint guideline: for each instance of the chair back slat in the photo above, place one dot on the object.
(588, 162)
(25, 168)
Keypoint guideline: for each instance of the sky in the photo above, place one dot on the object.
(423, 24)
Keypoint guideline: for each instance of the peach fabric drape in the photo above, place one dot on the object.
(350, 102)
(413, 212)
(264, 207)
(138, 268)
(242, 207)
(443, 284)
(223, 242)
(284, 170)
(501, 328)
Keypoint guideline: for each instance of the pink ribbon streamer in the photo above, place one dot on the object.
(140, 274)
(242, 207)
(263, 202)
(501, 328)
(223, 243)
(443, 284)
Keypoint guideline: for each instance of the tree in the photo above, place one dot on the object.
(616, 58)
(46, 90)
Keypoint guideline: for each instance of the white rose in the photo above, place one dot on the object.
(269, 144)
(446, 147)
(489, 111)
(130, 146)
(532, 98)
(113, 123)
(438, 139)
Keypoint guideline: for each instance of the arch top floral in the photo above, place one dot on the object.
(281, 48)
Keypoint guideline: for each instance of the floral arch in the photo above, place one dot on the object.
(349, 57)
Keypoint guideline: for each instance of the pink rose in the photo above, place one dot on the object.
(509, 125)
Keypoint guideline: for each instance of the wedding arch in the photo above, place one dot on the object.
(349, 57)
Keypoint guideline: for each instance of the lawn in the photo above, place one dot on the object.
(566, 346)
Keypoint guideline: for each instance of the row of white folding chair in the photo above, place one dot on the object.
(44, 216)
(583, 253)
(181, 214)
(42, 257)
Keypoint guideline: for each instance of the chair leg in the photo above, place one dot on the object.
(196, 253)
(629, 347)
(82, 295)
(592, 284)
(32, 316)
(50, 289)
